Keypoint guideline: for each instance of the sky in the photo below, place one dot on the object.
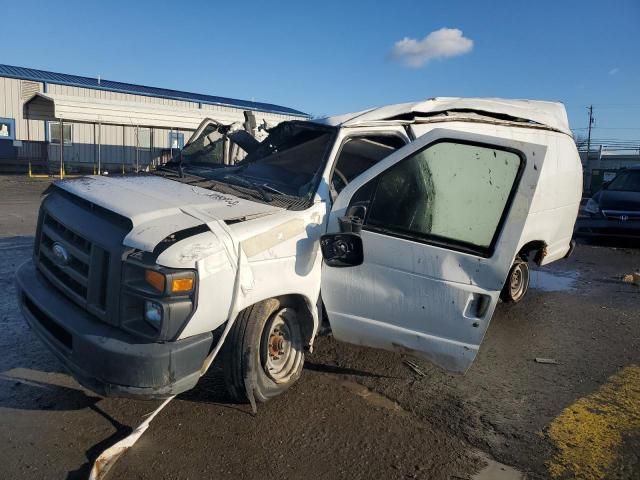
(334, 57)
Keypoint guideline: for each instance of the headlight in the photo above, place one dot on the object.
(173, 283)
(153, 313)
(155, 279)
(156, 301)
(592, 207)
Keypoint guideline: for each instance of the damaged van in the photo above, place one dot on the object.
(398, 228)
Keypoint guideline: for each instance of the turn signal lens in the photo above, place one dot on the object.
(155, 279)
(181, 285)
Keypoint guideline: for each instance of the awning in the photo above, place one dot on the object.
(50, 106)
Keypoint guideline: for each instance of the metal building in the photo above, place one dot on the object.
(113, 125)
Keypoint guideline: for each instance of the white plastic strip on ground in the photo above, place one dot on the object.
(108, 458)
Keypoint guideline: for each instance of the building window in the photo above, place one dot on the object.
(176, 140)
(7, 129)
(144, 138)
(54, 133)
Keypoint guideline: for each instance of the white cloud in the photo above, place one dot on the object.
(443, 43)
(613, 71)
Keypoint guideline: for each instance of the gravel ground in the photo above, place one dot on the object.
(357, 412)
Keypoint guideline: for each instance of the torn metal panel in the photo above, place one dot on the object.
(549, 114)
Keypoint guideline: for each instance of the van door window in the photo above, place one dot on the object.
(359, 154)
(449, 193)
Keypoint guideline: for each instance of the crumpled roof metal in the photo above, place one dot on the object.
(552, 115)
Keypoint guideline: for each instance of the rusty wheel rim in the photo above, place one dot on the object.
(517, 282)
(281, 350)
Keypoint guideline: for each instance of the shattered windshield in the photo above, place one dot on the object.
(207, 148)
(286, 166)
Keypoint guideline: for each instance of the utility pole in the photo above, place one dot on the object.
(588, 162)
(589, 131)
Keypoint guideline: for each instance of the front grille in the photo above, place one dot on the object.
(72, 275)
(86, 263)
(58, 332)
(622, 215)
(84, 275)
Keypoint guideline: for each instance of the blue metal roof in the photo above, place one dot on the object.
(109, 85)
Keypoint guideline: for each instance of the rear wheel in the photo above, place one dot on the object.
(264, 351)
(517, 284)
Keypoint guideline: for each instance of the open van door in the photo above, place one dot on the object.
(441, 221)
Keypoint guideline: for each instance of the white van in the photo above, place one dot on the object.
(427, 213)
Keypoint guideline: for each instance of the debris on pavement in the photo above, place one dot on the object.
(108, 458)
(413, 366)
(633, 278)
(551, 361)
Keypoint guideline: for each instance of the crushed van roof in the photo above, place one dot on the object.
(551, 115)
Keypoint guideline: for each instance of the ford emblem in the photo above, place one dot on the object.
(60, 253)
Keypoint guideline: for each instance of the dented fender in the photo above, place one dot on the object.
(282, 246)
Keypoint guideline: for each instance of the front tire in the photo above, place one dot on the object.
(264, 351)
(517, 284)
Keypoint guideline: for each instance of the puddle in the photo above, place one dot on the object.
(552, 281)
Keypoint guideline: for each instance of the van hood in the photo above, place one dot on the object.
(157, 207)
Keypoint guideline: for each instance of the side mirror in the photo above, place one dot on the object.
(605, 185)
(353, 220)
(342, 249)
(357, 211)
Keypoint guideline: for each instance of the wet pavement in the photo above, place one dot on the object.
(358, 412)
(553, 281)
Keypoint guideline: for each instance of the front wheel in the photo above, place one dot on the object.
(517, 284)
(264, 351)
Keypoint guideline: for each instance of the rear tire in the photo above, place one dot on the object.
(517, 284)
(264, 351)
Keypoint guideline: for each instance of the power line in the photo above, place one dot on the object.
(607, 128)
(616, 105)
(606, 105)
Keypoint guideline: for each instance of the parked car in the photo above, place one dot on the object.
(426, 213)
(614, 211)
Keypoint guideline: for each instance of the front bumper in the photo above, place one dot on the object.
(103, 358)
(604, 227)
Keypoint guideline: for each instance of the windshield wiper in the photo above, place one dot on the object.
(248, 183)
(188, 178)
(266, 186)
(162, 168)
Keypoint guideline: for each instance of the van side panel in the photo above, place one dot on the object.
(557, 199)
